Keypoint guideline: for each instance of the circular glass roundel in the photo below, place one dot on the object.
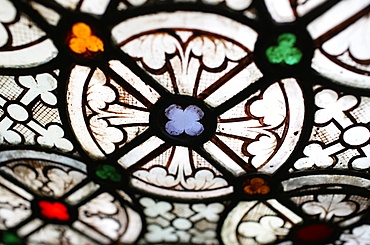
(163, 123)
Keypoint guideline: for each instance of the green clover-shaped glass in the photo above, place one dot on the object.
(108, 172)
(284, 52)
(11, 239)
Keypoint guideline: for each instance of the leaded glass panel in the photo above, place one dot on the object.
(184, 122)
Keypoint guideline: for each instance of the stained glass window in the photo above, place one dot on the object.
(184, 122)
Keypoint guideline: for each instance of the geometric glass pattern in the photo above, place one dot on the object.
(184, 122)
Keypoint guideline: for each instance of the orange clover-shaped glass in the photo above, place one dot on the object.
(256, 186)
(83, 41)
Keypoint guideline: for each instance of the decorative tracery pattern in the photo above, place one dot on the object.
(40, 197)
(217, 114)
(341, 53)
(20, 38)
(184, 66)
(113, 115)
(186, 59)
(262, 129)
(28, 113)
(191, 223)
(340, 136)
(268, 221)
(261, 222)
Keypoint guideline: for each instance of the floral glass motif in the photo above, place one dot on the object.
(184, 122)
(54, 210)
(256, 186)
(83, 41)
(108, 172)
(284, 51)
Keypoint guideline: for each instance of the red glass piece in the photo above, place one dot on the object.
(315, 233)
(54, 210)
